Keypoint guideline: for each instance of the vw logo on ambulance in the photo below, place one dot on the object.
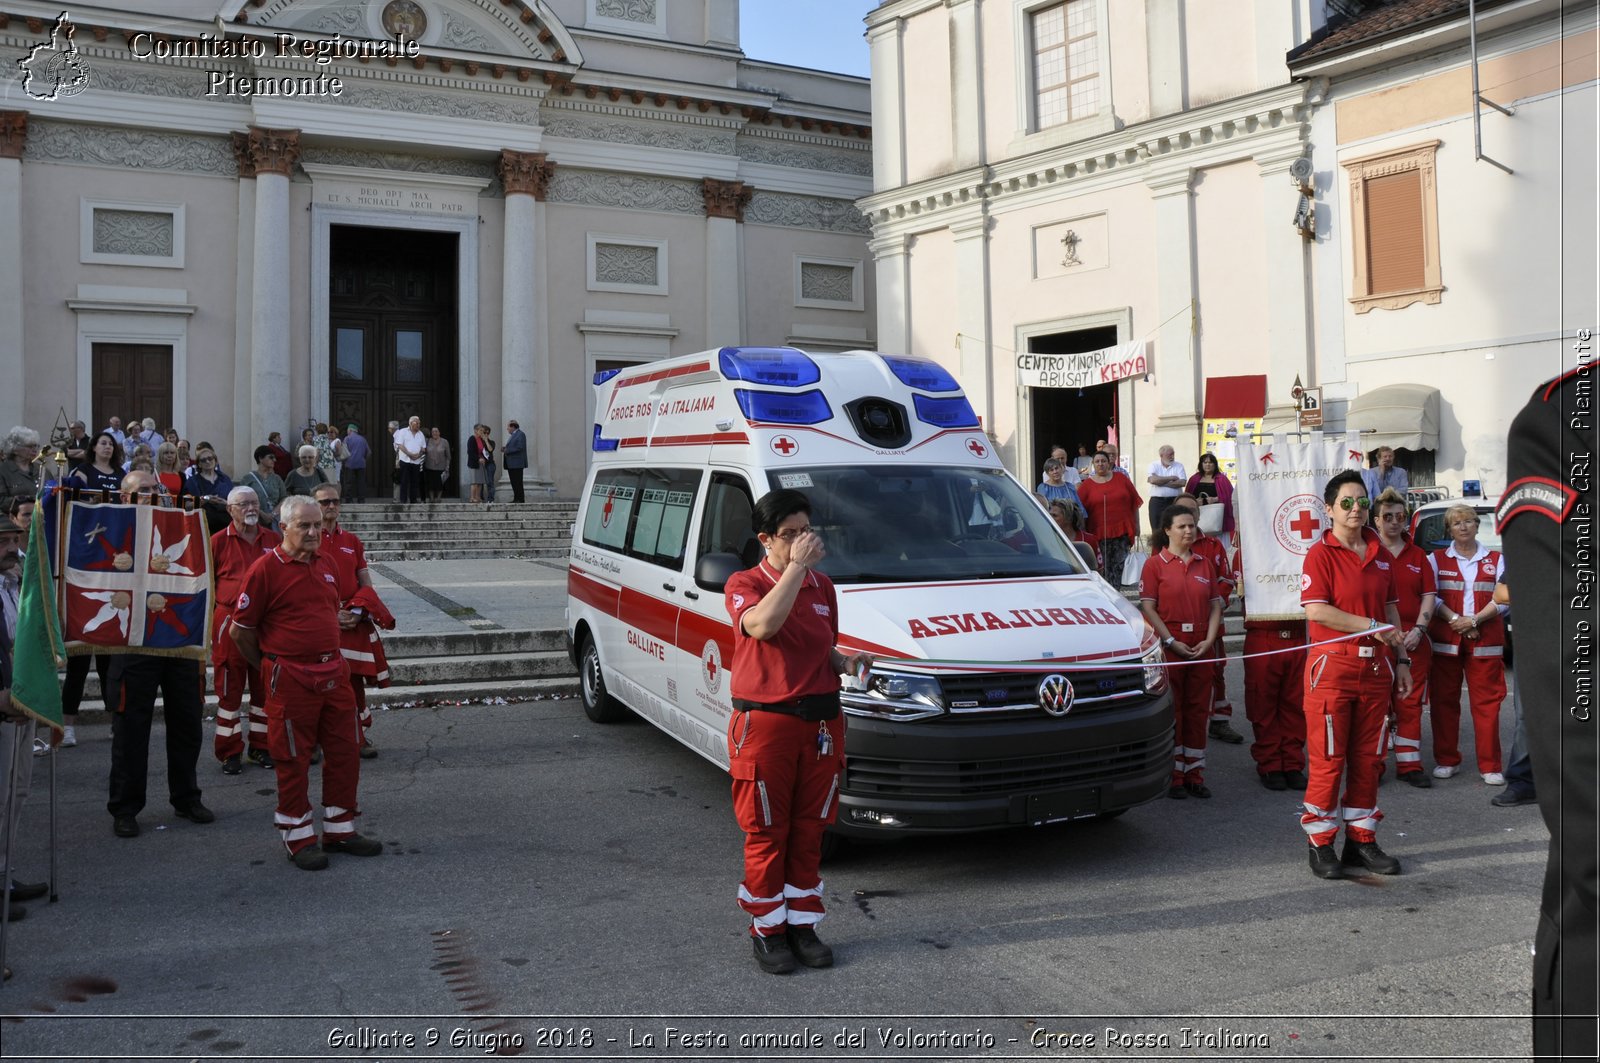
(1055, 694)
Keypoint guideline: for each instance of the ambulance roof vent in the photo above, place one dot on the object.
(783, 367)
(920, 373)
(879, 421)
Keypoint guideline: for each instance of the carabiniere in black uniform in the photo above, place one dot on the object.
(1547, 520)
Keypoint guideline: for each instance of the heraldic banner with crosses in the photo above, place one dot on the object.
(1279, 512)
(135, 578)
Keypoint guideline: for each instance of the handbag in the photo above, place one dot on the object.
(1133, 566)
(1210, 520)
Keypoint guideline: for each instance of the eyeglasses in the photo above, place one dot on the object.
(1347, 503)
(789, 535)
(1391, 516)
(327, 501)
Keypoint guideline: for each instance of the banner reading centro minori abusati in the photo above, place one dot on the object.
(1278, 510)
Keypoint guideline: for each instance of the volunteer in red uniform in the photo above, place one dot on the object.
(1469, 639)
(361, 611)
(233, 550)
(1181, 593)
(1413, 581)
(1347, 587)
(786, 736)
(287, 617)
(1216, 551)
(1274, 694)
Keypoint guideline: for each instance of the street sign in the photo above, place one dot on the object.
(1311, 408)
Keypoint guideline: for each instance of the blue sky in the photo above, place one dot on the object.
(820, 34)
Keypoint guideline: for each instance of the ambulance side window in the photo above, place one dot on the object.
(661, 520)
(611, 506)
(726, 527)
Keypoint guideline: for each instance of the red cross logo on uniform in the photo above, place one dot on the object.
(784, 445)
(1306, 525)
(977, 448)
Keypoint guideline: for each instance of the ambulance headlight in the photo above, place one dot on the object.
(1155, 676)
(895, 696)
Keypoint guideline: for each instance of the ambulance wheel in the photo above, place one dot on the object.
(597, 704)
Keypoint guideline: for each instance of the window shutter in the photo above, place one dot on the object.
(1395, 243)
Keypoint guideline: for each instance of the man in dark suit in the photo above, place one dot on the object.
(515, 455)
(1547, 522)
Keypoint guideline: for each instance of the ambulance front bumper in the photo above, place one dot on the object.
(972, 773)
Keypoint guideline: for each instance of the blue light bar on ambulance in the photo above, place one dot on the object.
(954, 412)
(777, 407)
(921, 373)
(778, 366)
(603, 444)
(603, 375)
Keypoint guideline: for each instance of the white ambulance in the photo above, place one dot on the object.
(1012, 683)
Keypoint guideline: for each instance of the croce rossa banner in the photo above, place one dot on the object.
(1278, 510)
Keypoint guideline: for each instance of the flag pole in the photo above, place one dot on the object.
(54, 896)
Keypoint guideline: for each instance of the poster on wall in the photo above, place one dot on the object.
(1222, 438)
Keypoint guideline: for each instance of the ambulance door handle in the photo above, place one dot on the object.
(668, 587)
(691, 594)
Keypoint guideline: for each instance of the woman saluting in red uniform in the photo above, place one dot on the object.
(786, 736)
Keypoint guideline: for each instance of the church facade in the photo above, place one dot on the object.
(245, 218)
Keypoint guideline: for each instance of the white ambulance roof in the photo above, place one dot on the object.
(788, 406)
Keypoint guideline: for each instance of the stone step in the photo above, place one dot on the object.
(484, 667)
(459, 643)
(447, 545)
(411, 695)
(370, 528)
(467, 510)
(474, 554)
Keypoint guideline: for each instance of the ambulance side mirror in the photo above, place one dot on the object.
(1086, 552)
(713, 571)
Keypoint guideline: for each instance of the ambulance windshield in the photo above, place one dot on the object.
(904, 523)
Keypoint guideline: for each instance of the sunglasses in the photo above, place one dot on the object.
(789, 535)
(1347, 504)
(1392, 516)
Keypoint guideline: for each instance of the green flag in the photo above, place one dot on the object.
(38, 651)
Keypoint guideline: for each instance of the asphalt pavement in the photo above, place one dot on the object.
(553, 887)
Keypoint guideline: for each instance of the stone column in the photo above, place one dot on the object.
(244, 444)
(1288, 301)
(13, 135)
(1175, 360)
(966, 86)
(524, 352)
(892, 263)
(725, 203)
(273, 153)
(888, 100)
(976, 369)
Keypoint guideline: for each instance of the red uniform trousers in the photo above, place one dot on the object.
(310, 703)
(785, 792)
(1221, 707)
(230, 675)
(1346, 702)
(1191, 714)
(1274, 691)
(1486, 689)
(1408, 712)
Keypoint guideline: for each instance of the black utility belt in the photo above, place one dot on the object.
(813, 707)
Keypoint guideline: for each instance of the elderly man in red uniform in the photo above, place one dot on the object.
(287, 615)
(233, 550)
(1413, 580)
(361, 611)
(786, 734)
(1468, 635)
(1274, 693)
(1347, 587)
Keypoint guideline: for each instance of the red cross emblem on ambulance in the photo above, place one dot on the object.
(978, 449)
(784, 446)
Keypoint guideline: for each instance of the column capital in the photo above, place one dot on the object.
(1170, 182)
(726, 199)
(274, 150)
(525, 173)
(13, 133)
(241, 155)
(888, 245)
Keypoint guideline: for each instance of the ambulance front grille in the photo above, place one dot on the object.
(957, 779)
(980, 698)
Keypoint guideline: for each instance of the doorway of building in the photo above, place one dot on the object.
(392, 337)
(131, 380)
(1072, 416)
